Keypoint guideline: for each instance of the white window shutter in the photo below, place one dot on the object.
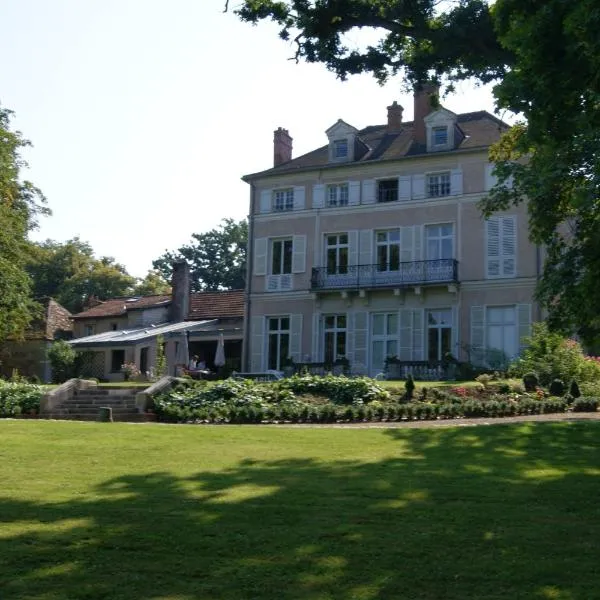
(299, 254)
(418, 334)
(418, 186)
(353, 248)
(417, 242)
(404, 188)
(350, 337)
(455, 341)
(265, 201)
(257, 344)
(509, 246)
(490, 178)
(299, 197)
(353, 193)
(366, 244)
(406, 243)
(261, 247)
(296, 337)
(523, 324)
(318, 196)
(316, 337)
(492, 228)
(406, 334)
(456, 182)
(368, 186)
(477, 335)
(361, 339)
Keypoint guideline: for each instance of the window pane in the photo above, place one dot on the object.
(391, 348)
(287, 257)
(332, 240)
(378, 324)
(272, 359)
(343, 259)
(331, 262)
(382, 258)
(446, 230)
(284, 348)
(394, 258)
(446, 248)
(381, 236)
(394, 236)
(378, 357)
(341, 321)
(344, 238)
(329, 347)
(340, 349)
(446, 341)
(432, 250)
(285, 323)
(329, 322)
(276, 260)
(445, 317)
(392, 324)
(273, 324)
(432, 344)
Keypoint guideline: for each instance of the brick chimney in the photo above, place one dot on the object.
(394, 122)
(426, 101)
(91, 301)
(180, 294)
(282, 146)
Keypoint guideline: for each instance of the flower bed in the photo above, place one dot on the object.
(312, 399)
(19, 398)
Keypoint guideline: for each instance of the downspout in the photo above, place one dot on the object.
(538, 274)
(248, 291)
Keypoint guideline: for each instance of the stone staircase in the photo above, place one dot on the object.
(85, 404)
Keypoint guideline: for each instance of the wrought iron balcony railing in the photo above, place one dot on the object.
(419, 272)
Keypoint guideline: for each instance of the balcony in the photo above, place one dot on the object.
(419, 272)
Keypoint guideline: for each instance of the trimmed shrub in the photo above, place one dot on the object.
(574, 389)
(340, 390)
(530, 381)
(19, 398)
(585, 404)
(409, 386)
(557, 388)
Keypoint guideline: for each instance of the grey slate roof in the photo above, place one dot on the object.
(477, 129)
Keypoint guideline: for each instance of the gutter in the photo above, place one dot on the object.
(248, 291)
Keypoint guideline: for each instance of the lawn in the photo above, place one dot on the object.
(167, 512)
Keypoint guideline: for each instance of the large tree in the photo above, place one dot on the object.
(70, 273)
(20, 204)
(543, 57)
(217, 258)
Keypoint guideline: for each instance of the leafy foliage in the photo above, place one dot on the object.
(20, 205)
(154, 284)
(217, 258)
(19, 398)
(62, 359)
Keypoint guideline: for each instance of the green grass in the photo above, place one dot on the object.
(122, 512)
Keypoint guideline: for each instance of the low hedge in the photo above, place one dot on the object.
(19, 398)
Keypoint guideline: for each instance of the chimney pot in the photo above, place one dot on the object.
(180, 294)
(426, 99)
(394, 122)
(282, 146)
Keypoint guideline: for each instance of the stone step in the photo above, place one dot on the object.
(113, 392)
(121, 418)
(93, 410)
(100, 401)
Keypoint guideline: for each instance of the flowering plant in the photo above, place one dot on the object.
(130, 370)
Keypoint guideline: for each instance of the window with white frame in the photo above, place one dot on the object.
(440, 241)
(438, 184)
(337, 194)
(439, 136)
(278, 342)
(281, 256)
(387, 190)
(336, 249)
(501, 332)
(439, 334)
(384, 339)
(88, 330)
(388, 250)
(334, 332)
(340, 148)
(283, 200)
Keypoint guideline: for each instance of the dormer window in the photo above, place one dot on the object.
(440, 136)
(340, 148)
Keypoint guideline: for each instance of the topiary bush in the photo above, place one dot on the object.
(574, 391)
(557, 388)
(530, 381)
(585, 404)
(409, 387)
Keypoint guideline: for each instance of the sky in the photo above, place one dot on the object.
(144, 114)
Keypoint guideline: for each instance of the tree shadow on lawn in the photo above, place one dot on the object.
(486, 512)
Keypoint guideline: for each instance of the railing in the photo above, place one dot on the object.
(419, 272)
(421, 370)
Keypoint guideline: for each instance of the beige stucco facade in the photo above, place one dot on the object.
(486, 303)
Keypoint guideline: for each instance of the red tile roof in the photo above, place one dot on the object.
(114, 307)
(216, 305)
(56, 318)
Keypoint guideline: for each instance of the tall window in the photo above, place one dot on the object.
(440, 136)
(388, 250)
(337, 254)
(279, 342)
(337, 194)
(340, 148)
(438, 184)
(384, 339)
(281, 257)
(440, 241)
(387, 190)
(117, 360)
(439, 334)
(501, 323)
(283, 199)
(335, 337)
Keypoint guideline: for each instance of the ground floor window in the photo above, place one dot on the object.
(278, 342)
(501, 334)
(439, 334)
(117, 360)
(335, 337)
(384, 339)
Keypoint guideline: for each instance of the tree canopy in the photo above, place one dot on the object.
(217, 258)
(20, 205)
(543, 57)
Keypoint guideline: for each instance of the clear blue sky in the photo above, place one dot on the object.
(144, 114)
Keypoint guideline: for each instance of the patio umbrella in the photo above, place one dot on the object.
(220, 354)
